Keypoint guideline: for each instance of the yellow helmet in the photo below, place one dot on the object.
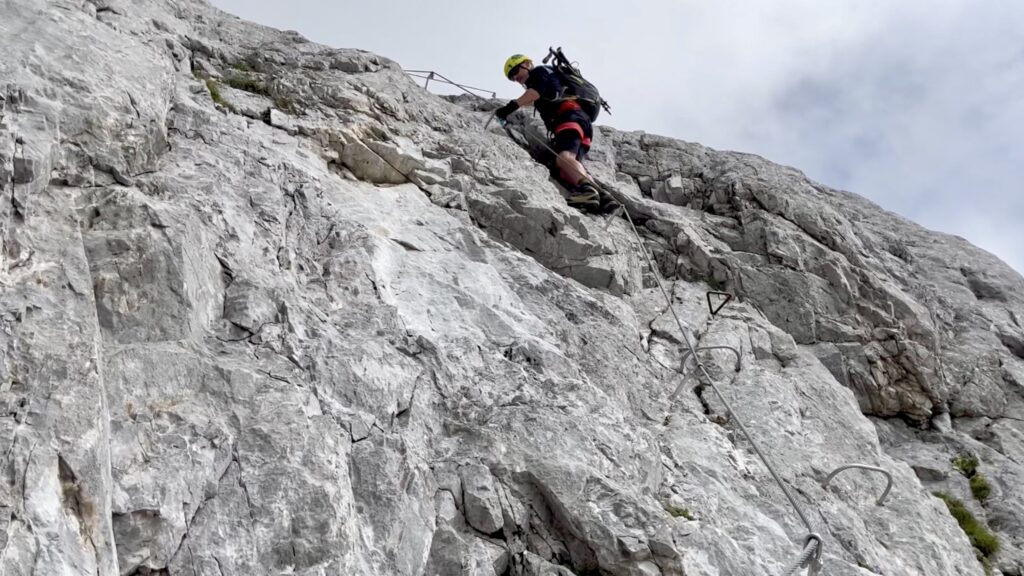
(513, 61)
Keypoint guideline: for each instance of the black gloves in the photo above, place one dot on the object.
(506, 110)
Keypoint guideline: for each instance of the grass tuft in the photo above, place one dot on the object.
(984, 541)
(247, 83)
(980, 487)
(967, 465)
(678, 512)
(216, 95)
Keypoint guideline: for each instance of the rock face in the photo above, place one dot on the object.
(270, 308)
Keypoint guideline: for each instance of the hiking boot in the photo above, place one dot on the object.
(608, 203)
(585, 197)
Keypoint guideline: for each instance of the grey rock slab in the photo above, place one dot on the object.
(482, 506)
(530, 564)
(368, 164)
(238, 343)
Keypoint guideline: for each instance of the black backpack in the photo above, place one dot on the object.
(576, 86)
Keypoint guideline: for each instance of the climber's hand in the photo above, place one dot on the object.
(505, 111)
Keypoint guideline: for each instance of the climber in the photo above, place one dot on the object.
(571, 126)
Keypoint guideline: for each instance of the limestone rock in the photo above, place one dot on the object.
(361, 335)
(480, 499)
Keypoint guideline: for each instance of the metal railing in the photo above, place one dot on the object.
(430, 75)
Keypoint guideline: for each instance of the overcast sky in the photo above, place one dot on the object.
(915, 104)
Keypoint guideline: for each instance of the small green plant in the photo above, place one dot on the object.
(984, 541)
(211, 85)
(284, 104)
(215, 94)
(980, 487)
(247, 83)
(967, 465)
(242, 66)
(678, 511)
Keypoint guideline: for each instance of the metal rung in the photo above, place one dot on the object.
(739, 361)
(888, 477)
(686, 358)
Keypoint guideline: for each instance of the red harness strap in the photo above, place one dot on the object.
(574, 126)
(568, 105)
